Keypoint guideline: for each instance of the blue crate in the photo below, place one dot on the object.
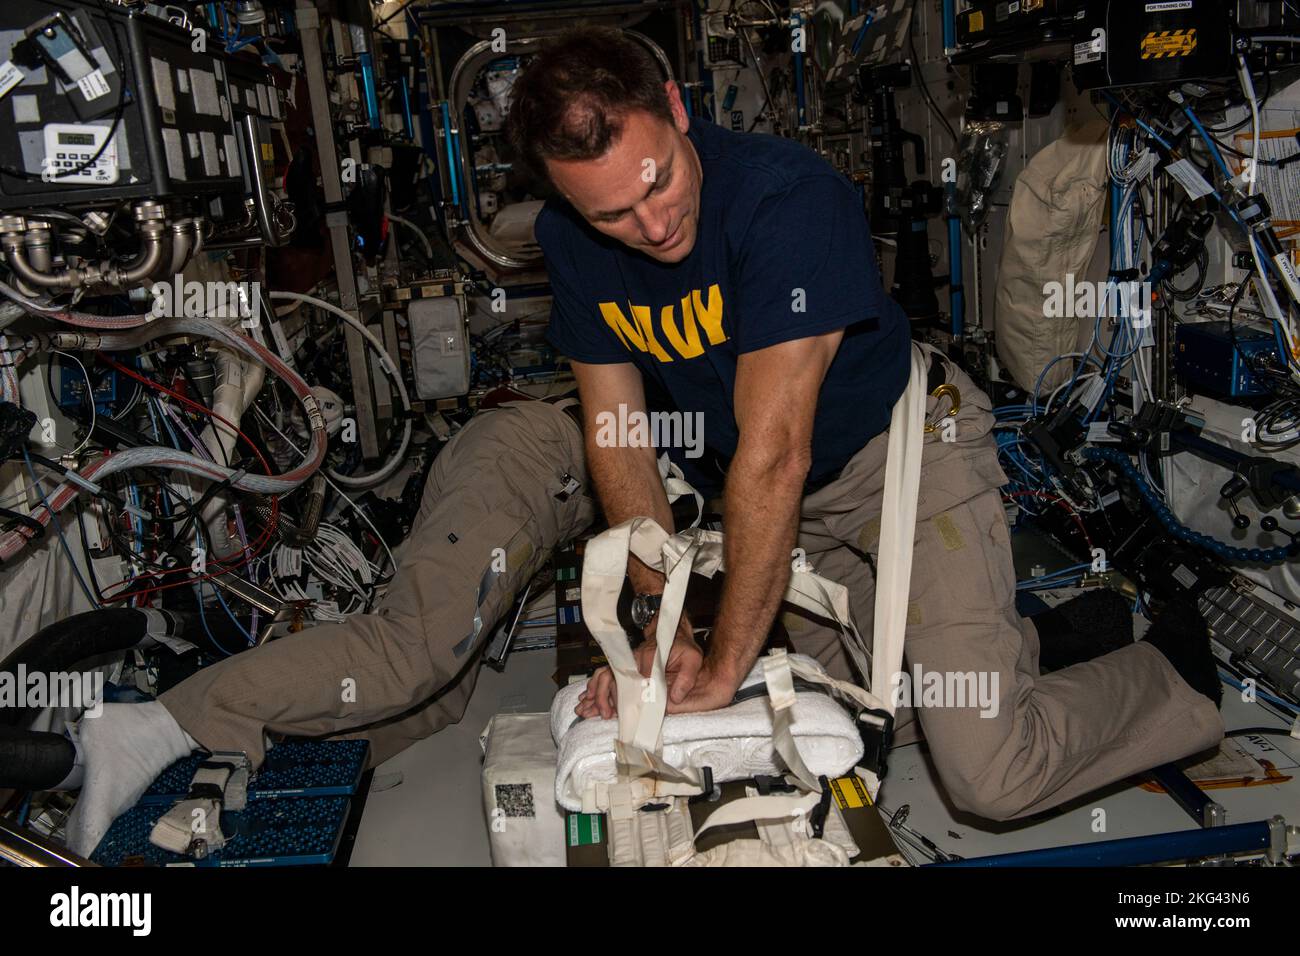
(296, 832)
(297, 768)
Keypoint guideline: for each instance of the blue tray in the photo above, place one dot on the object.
(294, 832)
(296, 768)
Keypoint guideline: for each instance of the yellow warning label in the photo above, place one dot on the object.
(976, 21)
(1168, 43)
(850, 793)
(268, 152)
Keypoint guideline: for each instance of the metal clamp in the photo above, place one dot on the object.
(953, 394)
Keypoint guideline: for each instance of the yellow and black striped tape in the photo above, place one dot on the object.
(1165, 44)
(849, 792)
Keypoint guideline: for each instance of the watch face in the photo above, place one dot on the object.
(639, 616)
(643, 608)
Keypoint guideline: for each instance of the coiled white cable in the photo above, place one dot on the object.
(390, 368)
(424, 240)
(15, 540)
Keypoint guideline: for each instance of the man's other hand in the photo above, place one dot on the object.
(681, 671)
(712, 690)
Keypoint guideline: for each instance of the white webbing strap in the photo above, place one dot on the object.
(781, 695)
(805, 589)
(779, 670)
(193, 824)
(662, 838)
(642, 701)
(897, 530)
(676, 485)
(749, 809)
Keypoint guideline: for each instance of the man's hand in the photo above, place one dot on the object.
(681, 670)
(714, 688)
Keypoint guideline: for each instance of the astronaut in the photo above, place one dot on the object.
(734, 273)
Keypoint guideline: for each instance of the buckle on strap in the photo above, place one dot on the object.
(953, 394)
(876, 727)
(817, 816)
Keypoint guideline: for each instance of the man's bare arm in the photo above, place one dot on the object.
(626, 479)
(776, 401)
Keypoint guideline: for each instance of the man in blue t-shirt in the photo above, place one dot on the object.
(735, 274)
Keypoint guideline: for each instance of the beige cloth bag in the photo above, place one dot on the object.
(1056, 214)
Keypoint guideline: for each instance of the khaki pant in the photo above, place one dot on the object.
(408, 670)
(1047, 739)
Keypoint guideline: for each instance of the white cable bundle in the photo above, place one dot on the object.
(334, 559)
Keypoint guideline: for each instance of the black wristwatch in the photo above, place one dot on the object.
(644, 608)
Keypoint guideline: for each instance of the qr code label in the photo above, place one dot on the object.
(515, 799)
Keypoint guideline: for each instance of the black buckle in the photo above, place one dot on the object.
(876, 741)
(768, 785)
(817, 816)
(710, 792)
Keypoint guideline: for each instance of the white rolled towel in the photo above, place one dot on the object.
(734, 742)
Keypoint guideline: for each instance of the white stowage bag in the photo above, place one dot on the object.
(735, 743)
(810, 852)
(525, 827)
(1057, 209)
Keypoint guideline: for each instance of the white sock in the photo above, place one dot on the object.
(122, 751)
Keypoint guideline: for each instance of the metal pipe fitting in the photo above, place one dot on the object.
(146, 263)
(16, 257)
(180, 244)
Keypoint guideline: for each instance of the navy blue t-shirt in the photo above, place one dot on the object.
(775, 218)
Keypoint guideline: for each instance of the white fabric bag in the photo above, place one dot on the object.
(525, 827)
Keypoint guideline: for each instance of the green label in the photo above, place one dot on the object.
(584, 829)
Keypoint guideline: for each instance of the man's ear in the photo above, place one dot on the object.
(680, 118)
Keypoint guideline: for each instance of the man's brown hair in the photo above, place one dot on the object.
(572, 99)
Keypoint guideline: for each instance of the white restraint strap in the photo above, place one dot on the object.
(642, 701)
(897, 530)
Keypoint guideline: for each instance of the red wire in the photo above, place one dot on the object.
(252, 551)
(201, 409)
(1054, 499)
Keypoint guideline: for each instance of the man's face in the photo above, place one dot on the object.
(645, 190)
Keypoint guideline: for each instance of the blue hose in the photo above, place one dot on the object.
(1220, 549)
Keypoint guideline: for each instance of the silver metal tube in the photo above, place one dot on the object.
(17, 260)
(149, 259)
(37, 245)
(180, 245)
(23, 847)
